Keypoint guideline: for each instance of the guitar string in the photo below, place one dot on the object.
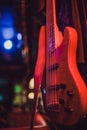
(52, 57)
(51, 74)
(55, 73)
(50, 48)
(48, 60)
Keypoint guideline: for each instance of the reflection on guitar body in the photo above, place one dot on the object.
(63, 89)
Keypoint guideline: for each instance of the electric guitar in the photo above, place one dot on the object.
(63, 89)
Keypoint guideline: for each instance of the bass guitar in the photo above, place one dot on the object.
(63, 90)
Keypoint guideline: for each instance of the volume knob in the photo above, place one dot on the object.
(68, 109)
(70, 93)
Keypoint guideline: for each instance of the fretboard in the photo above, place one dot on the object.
(50, 25)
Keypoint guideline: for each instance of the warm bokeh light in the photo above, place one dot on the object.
(8, 44)
(31, 95)
(31, 83)
(17, 100)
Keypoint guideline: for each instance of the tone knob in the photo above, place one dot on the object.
(70, 93)
(68, 109)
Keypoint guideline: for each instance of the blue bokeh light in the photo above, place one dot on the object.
(7, 32)
(7, 25)
(6, 19)
(19, 36)
(10, 39)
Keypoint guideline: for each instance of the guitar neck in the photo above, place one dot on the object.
(50, 26)
(50, 12)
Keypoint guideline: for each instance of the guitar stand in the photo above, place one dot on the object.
(40, 118)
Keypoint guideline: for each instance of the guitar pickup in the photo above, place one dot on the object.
(54, 87)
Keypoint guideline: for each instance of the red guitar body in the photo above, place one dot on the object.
(63, 89)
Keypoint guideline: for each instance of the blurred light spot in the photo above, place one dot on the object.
(31, 95)
(23, 53)
(8, 44)
(19, 36)
(24, 99)
(17, 88)
(31, 83)
(19, 45)
(1, 97)
(7, 33)
(17, 100)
